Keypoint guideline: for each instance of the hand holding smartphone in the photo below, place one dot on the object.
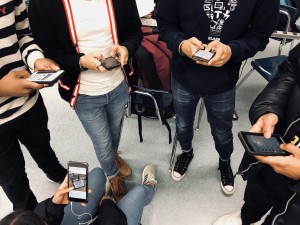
(78, 178)
(257, 144)
(49, 77)
(110, 63)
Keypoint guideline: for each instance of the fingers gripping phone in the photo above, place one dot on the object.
(203, 55)
(78, 178)
(110, 63)
(257, 144)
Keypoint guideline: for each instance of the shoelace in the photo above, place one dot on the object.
(183, 160)
(149, 178)
(226, 173)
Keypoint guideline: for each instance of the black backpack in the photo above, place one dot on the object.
(153, 99)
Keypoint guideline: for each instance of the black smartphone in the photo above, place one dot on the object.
(110, 63)
(257, 144)
(78, 178)
(46, 76)
(203, 55)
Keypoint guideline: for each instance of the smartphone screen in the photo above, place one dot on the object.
(78, 178)
(46, 77)
(203, 55)
(257, 144)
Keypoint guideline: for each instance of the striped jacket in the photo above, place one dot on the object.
(17, 52)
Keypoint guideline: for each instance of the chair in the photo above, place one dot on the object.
(268, 67)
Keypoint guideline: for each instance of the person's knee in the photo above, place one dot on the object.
(139, 190)
(97, 172)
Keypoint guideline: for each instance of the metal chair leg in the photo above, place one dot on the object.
(201, 109)
(235, 116)
(173, 152)
(244, 78)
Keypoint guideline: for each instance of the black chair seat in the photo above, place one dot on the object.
(268, 67)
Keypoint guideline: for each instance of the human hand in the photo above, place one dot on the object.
(190, 46)
(286, 165)
(265, 124)
(223, 54)
(15, 84)
(122, 53)
(61, 194)
(45, 64)
(92, 61)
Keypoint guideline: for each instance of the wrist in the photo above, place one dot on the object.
(180, 48)
(82, 68)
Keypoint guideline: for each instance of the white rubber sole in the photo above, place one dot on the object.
(226, 191)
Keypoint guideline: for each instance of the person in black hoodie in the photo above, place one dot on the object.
(235, 30)
(100, 209)
(273, 181)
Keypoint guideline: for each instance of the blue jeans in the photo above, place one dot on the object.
(101, 117)
(219, 108)
(132, 204)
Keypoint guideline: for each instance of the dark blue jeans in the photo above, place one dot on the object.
(219, 108)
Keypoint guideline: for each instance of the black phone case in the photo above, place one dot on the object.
(262, 153)
(73, 163)
(110, 63)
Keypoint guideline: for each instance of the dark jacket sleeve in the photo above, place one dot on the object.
(131, 38)
(169, 26)
(50, 30)
(274, 98)
(51, 213)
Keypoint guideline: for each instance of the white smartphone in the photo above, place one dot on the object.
(46, 76)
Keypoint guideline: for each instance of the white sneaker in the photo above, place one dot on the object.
(229, 219)
(149, 175)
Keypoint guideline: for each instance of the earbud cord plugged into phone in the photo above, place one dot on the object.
(79, 216)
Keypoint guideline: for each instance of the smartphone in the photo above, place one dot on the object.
(203, 55)
(78, 178)
(257, 144)
(46, 76)
(110, 63)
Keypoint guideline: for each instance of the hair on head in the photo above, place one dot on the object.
(21, 217)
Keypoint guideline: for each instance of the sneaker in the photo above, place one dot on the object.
(181, 165)
(124, 170)
(227, 179)
(229, 219)
(149, 176)
(58, 176)
(118, 188)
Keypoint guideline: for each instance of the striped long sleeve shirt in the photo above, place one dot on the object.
(17, 52)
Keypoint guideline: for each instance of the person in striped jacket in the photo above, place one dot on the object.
(23, 116)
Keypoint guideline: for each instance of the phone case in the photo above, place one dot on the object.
(266, 150)
(78, 180)
(110, 63)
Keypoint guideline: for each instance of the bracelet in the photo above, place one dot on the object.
(179, 48)
(81, 68)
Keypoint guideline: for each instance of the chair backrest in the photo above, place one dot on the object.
(285, 2)
(288, 16)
